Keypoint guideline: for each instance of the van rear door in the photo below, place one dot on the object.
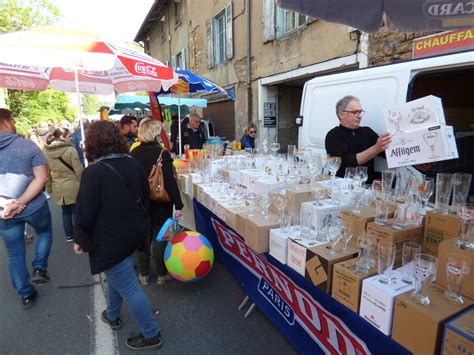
(377, 89)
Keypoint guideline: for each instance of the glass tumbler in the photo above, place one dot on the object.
(408, 260)
(424, 274)
(444, 185)
(461, 185)
(385, 259)
(458, 268)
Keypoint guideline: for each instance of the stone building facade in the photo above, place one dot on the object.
(263, 55)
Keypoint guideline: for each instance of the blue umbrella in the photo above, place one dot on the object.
(190, 82)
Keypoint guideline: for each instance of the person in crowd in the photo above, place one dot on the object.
(149, 133)
(43, 131)
(77, 139)
(192, 133)
(23, 174)
(65, 171)
(112, 223)
(248, 139)
(174, 132)
(355, 145)
(128, 128)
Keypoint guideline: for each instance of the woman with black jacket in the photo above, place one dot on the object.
(147, 153)
(111, 224)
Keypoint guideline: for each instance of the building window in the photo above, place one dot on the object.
(219, 37)
(178, 12)
(287, 21)
(163, 28)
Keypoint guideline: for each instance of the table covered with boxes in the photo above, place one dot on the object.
(320, 285)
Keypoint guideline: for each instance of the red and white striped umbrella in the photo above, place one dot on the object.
(30, 60)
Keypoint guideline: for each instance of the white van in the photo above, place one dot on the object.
(450, 77)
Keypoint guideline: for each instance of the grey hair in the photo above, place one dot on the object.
(148, 130)
(341, 105)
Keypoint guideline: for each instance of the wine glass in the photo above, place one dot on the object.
(250, 198)
(333, 164)
(357, 194)
(318, 193)
(349, 175)
(263, 200)
(425, 190)
(361, 175)
(275, 147)
(280, 200)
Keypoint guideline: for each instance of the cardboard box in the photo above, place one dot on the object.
(256, 230)
(315, 263)
(414, 115)
(411, 233)
(228, 213)
(279, 245)
(359, 221)
(438, 228)
(459, 334)
(449, 247)
(378, 300)
(422, 146)
(318, 213)
(347, 283)
(419, 328)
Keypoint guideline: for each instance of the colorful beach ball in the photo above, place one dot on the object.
(189, 256)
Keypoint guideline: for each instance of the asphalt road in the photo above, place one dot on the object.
(199, 318)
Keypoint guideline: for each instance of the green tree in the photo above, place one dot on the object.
(28, 107)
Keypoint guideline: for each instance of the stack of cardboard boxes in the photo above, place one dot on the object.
(419, 133)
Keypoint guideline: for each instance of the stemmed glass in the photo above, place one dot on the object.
(424, 274)
(250, 198)
(318, 193)
(349, 176)
(425, 190)
(408, 260)
(346, 234)
(361, 175)
(263, 200)
(275, 147)
(280, 200)
(458, 268)
(333, 164)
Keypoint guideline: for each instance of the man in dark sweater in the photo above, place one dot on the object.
(355, 145)
(192, 133)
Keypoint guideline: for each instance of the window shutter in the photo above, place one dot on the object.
(210, 44)
(268, 20)
(182, 65)
(229, 45)
(173, 62)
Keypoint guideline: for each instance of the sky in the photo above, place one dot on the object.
(110, 19)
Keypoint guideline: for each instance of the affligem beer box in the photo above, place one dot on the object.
(419, 328)
(414, 115)
(422, 146)
(459, 334)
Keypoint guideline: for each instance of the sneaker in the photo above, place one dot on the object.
(143, 279)
(29, 301)
(69, 238)
(114, 324)
(164, 279)
(140, 343)
(40, 276)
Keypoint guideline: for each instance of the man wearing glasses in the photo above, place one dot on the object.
(355, 145)
(248, 139)
(192, 134)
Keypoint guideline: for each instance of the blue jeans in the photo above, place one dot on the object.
(68, 213)
(12, 231)
(123, 285)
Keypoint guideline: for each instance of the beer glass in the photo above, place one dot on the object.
(365, 245)
(387, 180)
(458, 268)
(424, 274)
(385, 258)
(347, 231)
(466, 238)
(444, 185)
(408, 260)
(425, 189)
(461, 185)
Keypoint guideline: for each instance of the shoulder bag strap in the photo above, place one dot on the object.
(139, 200)
(66, 164)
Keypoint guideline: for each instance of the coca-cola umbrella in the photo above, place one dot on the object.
(77, 61)
(398, 15)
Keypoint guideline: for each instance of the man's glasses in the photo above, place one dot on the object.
(356, 112)
(252, 132)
